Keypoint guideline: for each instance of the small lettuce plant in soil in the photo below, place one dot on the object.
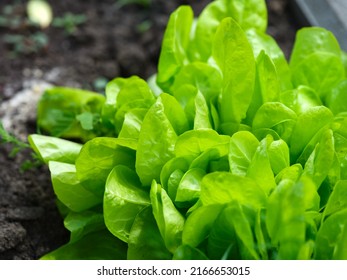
(229, 152)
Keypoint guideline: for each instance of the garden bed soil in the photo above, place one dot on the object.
(113, 41)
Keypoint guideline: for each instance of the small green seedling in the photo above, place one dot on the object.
(144, 3)
(69, 22)
(17, 147)
(21, 44)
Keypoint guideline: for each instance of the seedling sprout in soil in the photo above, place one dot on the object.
(233, 153)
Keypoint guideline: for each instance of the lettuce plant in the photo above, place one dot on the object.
(228, 152)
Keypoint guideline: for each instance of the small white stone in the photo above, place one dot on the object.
(22, 107)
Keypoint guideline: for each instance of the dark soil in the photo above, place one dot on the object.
(113, 41)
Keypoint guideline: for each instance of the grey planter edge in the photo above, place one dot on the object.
(321, 13)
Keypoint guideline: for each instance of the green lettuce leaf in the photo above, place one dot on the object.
(161, 125)
(145, 241)
(173, 53)
(124, 198)
(71, 113)
(82, 223)
(243, 145)
(169, 220)
(249, 14)
(234, 56)
(224, 187)
(54, 149)
(331, 237)
(316, 60)
(100, 245)
(98, 157)
(69, 189)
